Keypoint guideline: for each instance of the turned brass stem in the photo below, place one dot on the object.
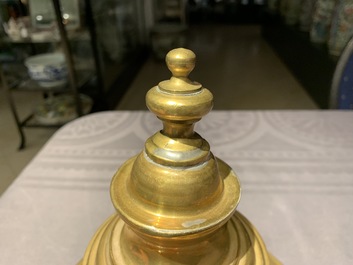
(178, 130)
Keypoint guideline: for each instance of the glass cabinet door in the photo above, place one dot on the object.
(118, 31)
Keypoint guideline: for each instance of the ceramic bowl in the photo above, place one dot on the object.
(49, 69)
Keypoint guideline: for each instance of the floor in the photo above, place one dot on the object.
(234, 62)
(12, 161)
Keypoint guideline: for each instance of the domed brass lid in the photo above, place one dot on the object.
(176, 201)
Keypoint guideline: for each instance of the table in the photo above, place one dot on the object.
(295, 167)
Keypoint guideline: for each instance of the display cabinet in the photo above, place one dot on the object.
(72, 98)
(309, 62)
(121, 38)
(170, 26)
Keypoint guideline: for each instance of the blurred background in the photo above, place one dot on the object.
(63, 59)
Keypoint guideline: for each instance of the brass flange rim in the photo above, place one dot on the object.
(143, 217)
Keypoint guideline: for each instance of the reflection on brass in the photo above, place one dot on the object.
(176, 202)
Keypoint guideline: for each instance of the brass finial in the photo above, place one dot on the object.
(176, 202)
(179, 102)
(176, 170)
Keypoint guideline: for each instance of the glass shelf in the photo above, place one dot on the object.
(29, 85)
(31, 121)
(73, 35)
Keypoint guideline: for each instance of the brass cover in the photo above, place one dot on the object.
(176, 202)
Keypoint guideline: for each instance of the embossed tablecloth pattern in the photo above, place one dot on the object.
(295, 167)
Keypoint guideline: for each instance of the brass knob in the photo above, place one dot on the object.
(181, 62)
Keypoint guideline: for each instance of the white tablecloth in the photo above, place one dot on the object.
(295, 167)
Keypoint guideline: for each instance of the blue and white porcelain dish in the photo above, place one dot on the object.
(48, 69)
